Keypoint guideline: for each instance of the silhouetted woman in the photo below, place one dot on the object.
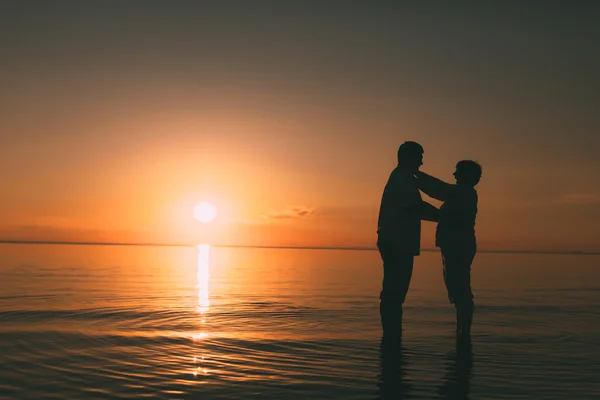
(455, 235)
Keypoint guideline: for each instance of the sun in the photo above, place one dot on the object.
(205, 212)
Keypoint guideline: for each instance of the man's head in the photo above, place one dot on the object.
(467, 173)
(410, 155)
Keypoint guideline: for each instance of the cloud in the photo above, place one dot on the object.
(291, 212)
(580, 198)
(565, 200)
(345, 213)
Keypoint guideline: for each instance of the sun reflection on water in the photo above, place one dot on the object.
(203, 277)
(203, 301)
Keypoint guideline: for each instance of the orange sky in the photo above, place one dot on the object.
(116, 121)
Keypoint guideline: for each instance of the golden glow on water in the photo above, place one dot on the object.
(305, 318)
(203, 299)
(200, 336)
(203, 278)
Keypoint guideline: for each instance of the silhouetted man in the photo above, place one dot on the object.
(399, 234)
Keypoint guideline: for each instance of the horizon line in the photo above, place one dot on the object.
(355, 248)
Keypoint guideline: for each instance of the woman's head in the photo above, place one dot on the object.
(467, 172)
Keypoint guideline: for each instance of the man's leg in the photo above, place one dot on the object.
(397, 272)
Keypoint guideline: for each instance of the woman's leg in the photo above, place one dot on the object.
(457, 277)
(465, 304)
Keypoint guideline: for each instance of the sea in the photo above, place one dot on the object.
(205, 322)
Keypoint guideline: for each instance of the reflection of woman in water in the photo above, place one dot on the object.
(455, 235)
(459, 369)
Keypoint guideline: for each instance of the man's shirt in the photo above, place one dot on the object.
(399, 222)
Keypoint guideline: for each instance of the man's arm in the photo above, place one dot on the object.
(433, 187)
(424, 210)
(428, 212)
(407, 198)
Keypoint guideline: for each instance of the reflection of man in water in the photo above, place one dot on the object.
(399, 234)
(392, 381)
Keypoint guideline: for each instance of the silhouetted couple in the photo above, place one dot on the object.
(399, 235)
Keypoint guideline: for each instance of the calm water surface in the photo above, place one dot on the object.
(84, 322)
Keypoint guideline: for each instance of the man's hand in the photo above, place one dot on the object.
(429, 212)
